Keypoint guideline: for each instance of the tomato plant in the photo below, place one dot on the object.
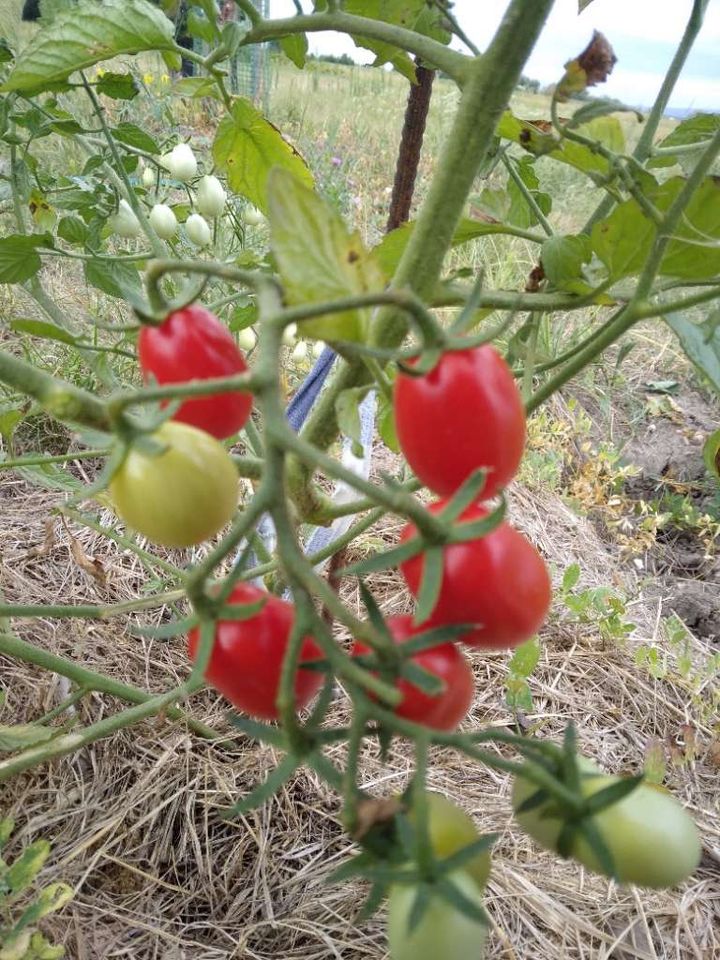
(442, 932)
(442, 711)
(465, 414)
(179, 494)
(192, 344)
(247, 656)
(653, 841)
(498, 582)
(281, 268)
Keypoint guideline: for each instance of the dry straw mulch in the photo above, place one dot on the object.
(135, 824)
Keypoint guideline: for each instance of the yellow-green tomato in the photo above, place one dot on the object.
(179, 497)
(443, 933)
(653, 841)
(449, 830)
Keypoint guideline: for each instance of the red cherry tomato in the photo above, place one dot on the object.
(499, 582)
(445, 710)
(464, 414)
(192, 344)
(247, 656)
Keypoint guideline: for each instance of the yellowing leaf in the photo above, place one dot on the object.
(318, 258)
(247, 147)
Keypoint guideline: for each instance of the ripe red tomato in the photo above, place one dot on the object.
(499, 582)
(464, 414)
(192, 344)
(445, 710)
(247, 656)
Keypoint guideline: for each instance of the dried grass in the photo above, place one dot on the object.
(135, 821)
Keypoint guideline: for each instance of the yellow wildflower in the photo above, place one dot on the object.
(149, 79)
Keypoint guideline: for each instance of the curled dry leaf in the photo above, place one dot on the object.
(594, 65)
(372, 811)
(44, 548)
(91, 565)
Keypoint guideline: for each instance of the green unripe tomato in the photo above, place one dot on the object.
(443, 933)
(449, 830)
(653, 841)
(181, 496)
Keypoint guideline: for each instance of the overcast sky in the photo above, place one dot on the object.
(644, 34)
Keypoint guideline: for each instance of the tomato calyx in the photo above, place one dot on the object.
(562, 798)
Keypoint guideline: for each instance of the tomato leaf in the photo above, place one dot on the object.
(247, 147)
(347, 409)
(19, 259)
(374, 613)
(118, 86)
(701, 343)
(430, 582)
(7, 825)
(295, 48)
(391, 248)
(386, 424)
(695, 130)
(563, 259)
(711, 454)
(318, 259)
(571, 577)
(87, 34)
(27, 866)
(114, 277)
(134, 136)
(43, 329)
(72, 230)
(624, 239)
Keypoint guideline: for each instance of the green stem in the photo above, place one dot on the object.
(57, 397)
(242, 382)
(155, 242)
(75, 740)
(488, 85)
(38, 460)
(87, 610)
(11, 646)
(527, 195)
(454, 64)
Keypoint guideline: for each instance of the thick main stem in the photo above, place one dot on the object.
(489, 83)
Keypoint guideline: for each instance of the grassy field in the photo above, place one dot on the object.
(611, 483)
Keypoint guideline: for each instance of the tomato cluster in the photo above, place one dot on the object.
(181, 488)
(465, 415)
